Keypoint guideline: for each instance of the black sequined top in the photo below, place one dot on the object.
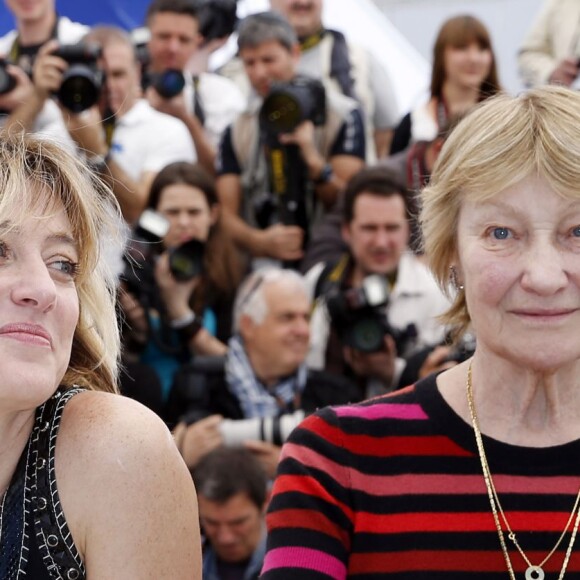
(35, 541)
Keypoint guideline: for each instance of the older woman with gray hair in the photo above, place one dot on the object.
(475, 471)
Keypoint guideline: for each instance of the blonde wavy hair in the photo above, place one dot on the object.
(30, 165)
(502, 141)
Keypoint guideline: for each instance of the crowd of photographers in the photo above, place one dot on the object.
(273, 259)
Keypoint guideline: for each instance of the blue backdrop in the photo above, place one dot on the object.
(125, 13)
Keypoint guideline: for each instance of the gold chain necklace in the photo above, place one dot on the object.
(533, 572)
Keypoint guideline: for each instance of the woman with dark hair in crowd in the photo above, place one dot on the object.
(464, 73)
(171, 317)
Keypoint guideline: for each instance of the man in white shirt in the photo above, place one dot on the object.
(208, 102)
(134, 140)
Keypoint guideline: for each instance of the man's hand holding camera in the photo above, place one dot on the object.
(22, 91)
(174, 106)
(283, 242)
(48, 70)
(175, 294)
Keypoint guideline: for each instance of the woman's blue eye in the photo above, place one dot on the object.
(501, 233)
(576, 232)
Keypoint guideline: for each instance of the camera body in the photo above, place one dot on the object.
(217, 18)
(185, 261)
(7, 81)
(83, 80)
(360, 318)
(290, 103)
(168, 83)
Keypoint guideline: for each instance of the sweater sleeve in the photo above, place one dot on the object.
(310, 518)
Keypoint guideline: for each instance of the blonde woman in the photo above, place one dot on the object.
(91, 483)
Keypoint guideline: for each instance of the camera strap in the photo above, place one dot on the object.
(332, 276)
(289, 185)
(197, 102)
(340, 66)
(24, 56)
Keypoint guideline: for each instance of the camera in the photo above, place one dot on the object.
(185, 261)
(290, 103)
(217, 18)
(82, 81)
(7, 81)
(359, 316)
(273, 430)
(139, 255)
(168, 83)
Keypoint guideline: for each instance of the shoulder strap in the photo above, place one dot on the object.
(331, 275)
(55, 542)
(340, 65)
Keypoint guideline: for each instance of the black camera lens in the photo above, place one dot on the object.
(82, 81)
(288, 104)
(186, 261)
(7, 81)
(281, 112)
(366, 334)
(169, 83)
(80, 88)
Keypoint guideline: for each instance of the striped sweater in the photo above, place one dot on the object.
(393, 488)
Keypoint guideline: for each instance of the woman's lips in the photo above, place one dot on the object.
(27, 332)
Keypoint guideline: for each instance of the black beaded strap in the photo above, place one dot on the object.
(55, 542)
(14, 531)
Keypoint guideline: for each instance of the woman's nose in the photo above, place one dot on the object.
(34, 287)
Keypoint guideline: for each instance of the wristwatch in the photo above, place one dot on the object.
(98, 163)
(325, 175)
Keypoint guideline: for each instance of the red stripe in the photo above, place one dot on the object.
(310, 520)
(309, 487)
(458, 522)
(384, 446)
(453, 561)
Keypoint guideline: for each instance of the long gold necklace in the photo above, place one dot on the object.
(533, 572)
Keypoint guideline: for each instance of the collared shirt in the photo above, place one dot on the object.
(147, 140)
(210, 564)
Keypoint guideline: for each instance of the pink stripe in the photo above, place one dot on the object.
(307, 558)
(311, 458)
(434, 484)
(386, 411)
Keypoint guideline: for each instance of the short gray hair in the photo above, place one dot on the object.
(262, 27)
(250, 300)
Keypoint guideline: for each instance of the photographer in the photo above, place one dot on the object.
(264, 378)
(207, 103)
(348, 67)
(36, 24)
(122, 136)
(177, 300)
(274, 183)
(376, 230)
